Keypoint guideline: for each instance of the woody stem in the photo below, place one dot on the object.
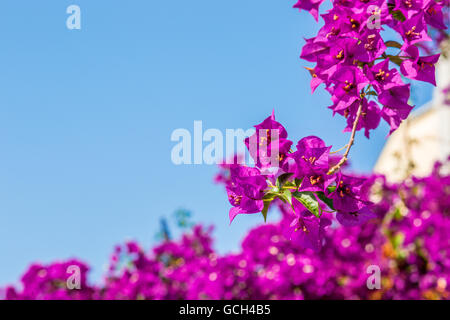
(350, 142)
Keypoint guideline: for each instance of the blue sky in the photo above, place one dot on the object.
(86, 117)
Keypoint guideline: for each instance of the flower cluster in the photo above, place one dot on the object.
(303, 179)
(364, 73)
(42, 282)
(408, 240)
(362, 70)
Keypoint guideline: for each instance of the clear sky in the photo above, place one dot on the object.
(86, 117)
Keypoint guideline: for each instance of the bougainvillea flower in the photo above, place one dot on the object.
(396, 107)
(342, 53)
(370, 47)
(348, 83)
(395, 115)
(317, 182)
(414, 30)
(316, 80)
(433, 14)
(246, 190)
(311, 156)
(395, 96)
(349, 195)
(242, 204)
(270, 123)
(340, 23)
(341, 18)
(268, 146)
(419, 68)
(312, 6)
(381, 77)
(409, 7)
(313, 48)
(249, 179)
(357, 218)
(369, 119)
(306, 229)
(373, 13)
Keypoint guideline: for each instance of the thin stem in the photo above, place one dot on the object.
(338, 150)
(350, 142)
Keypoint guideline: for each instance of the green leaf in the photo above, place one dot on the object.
(270, 196)
(310, 202)
(397, 240)
(397, 60)
(281, 180)
(398, 214)
(393, 44)
(398, 15)
(265, 209)
(327, 201)
(287, 194)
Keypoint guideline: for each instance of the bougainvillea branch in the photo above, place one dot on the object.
(301, 178)
(349, 144)
(364, 74)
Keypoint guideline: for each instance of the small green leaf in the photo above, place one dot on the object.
(270, 195)
(393, 44)
(281, 180)
(287, 194)
(326, 200)
(397, 60)
(398, 214)
(397, 240)
(265, 209)
(398, 15)
(310, 202)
